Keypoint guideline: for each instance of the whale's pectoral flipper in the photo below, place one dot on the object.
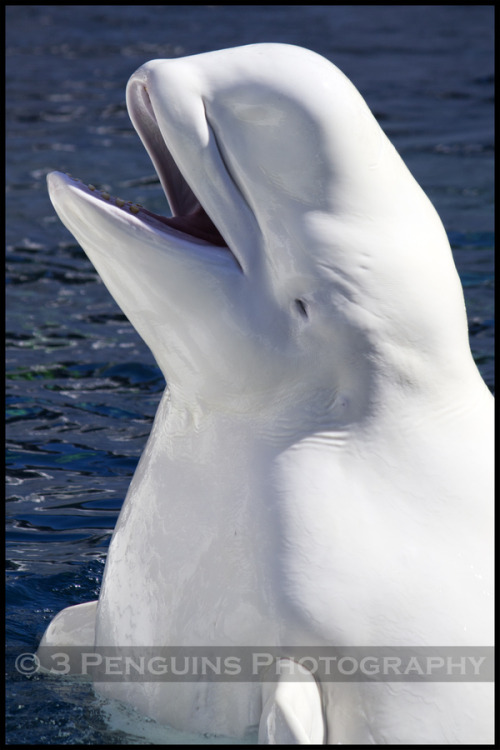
(292, 712)
(72, 627)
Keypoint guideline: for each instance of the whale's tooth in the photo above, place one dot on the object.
(106, 196)
(134, 209)
(119, 202)
(91, 187)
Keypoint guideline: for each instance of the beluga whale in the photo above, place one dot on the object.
(319, 474)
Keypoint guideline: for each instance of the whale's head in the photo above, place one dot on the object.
(302, 263)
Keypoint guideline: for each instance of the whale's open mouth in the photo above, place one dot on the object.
(189, 219)
(197, 224)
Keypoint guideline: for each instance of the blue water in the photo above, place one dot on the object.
(82, 388)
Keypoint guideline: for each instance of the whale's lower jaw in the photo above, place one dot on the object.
(197, 224)
(191, 228)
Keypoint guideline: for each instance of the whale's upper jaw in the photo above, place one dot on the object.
(188, 215)
(204, 192)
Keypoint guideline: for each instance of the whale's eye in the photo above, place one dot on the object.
(299, 304)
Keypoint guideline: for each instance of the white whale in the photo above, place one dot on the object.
(319, 471)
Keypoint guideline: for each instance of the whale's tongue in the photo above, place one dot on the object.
(196, 224)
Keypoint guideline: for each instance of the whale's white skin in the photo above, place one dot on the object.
(320, 468)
